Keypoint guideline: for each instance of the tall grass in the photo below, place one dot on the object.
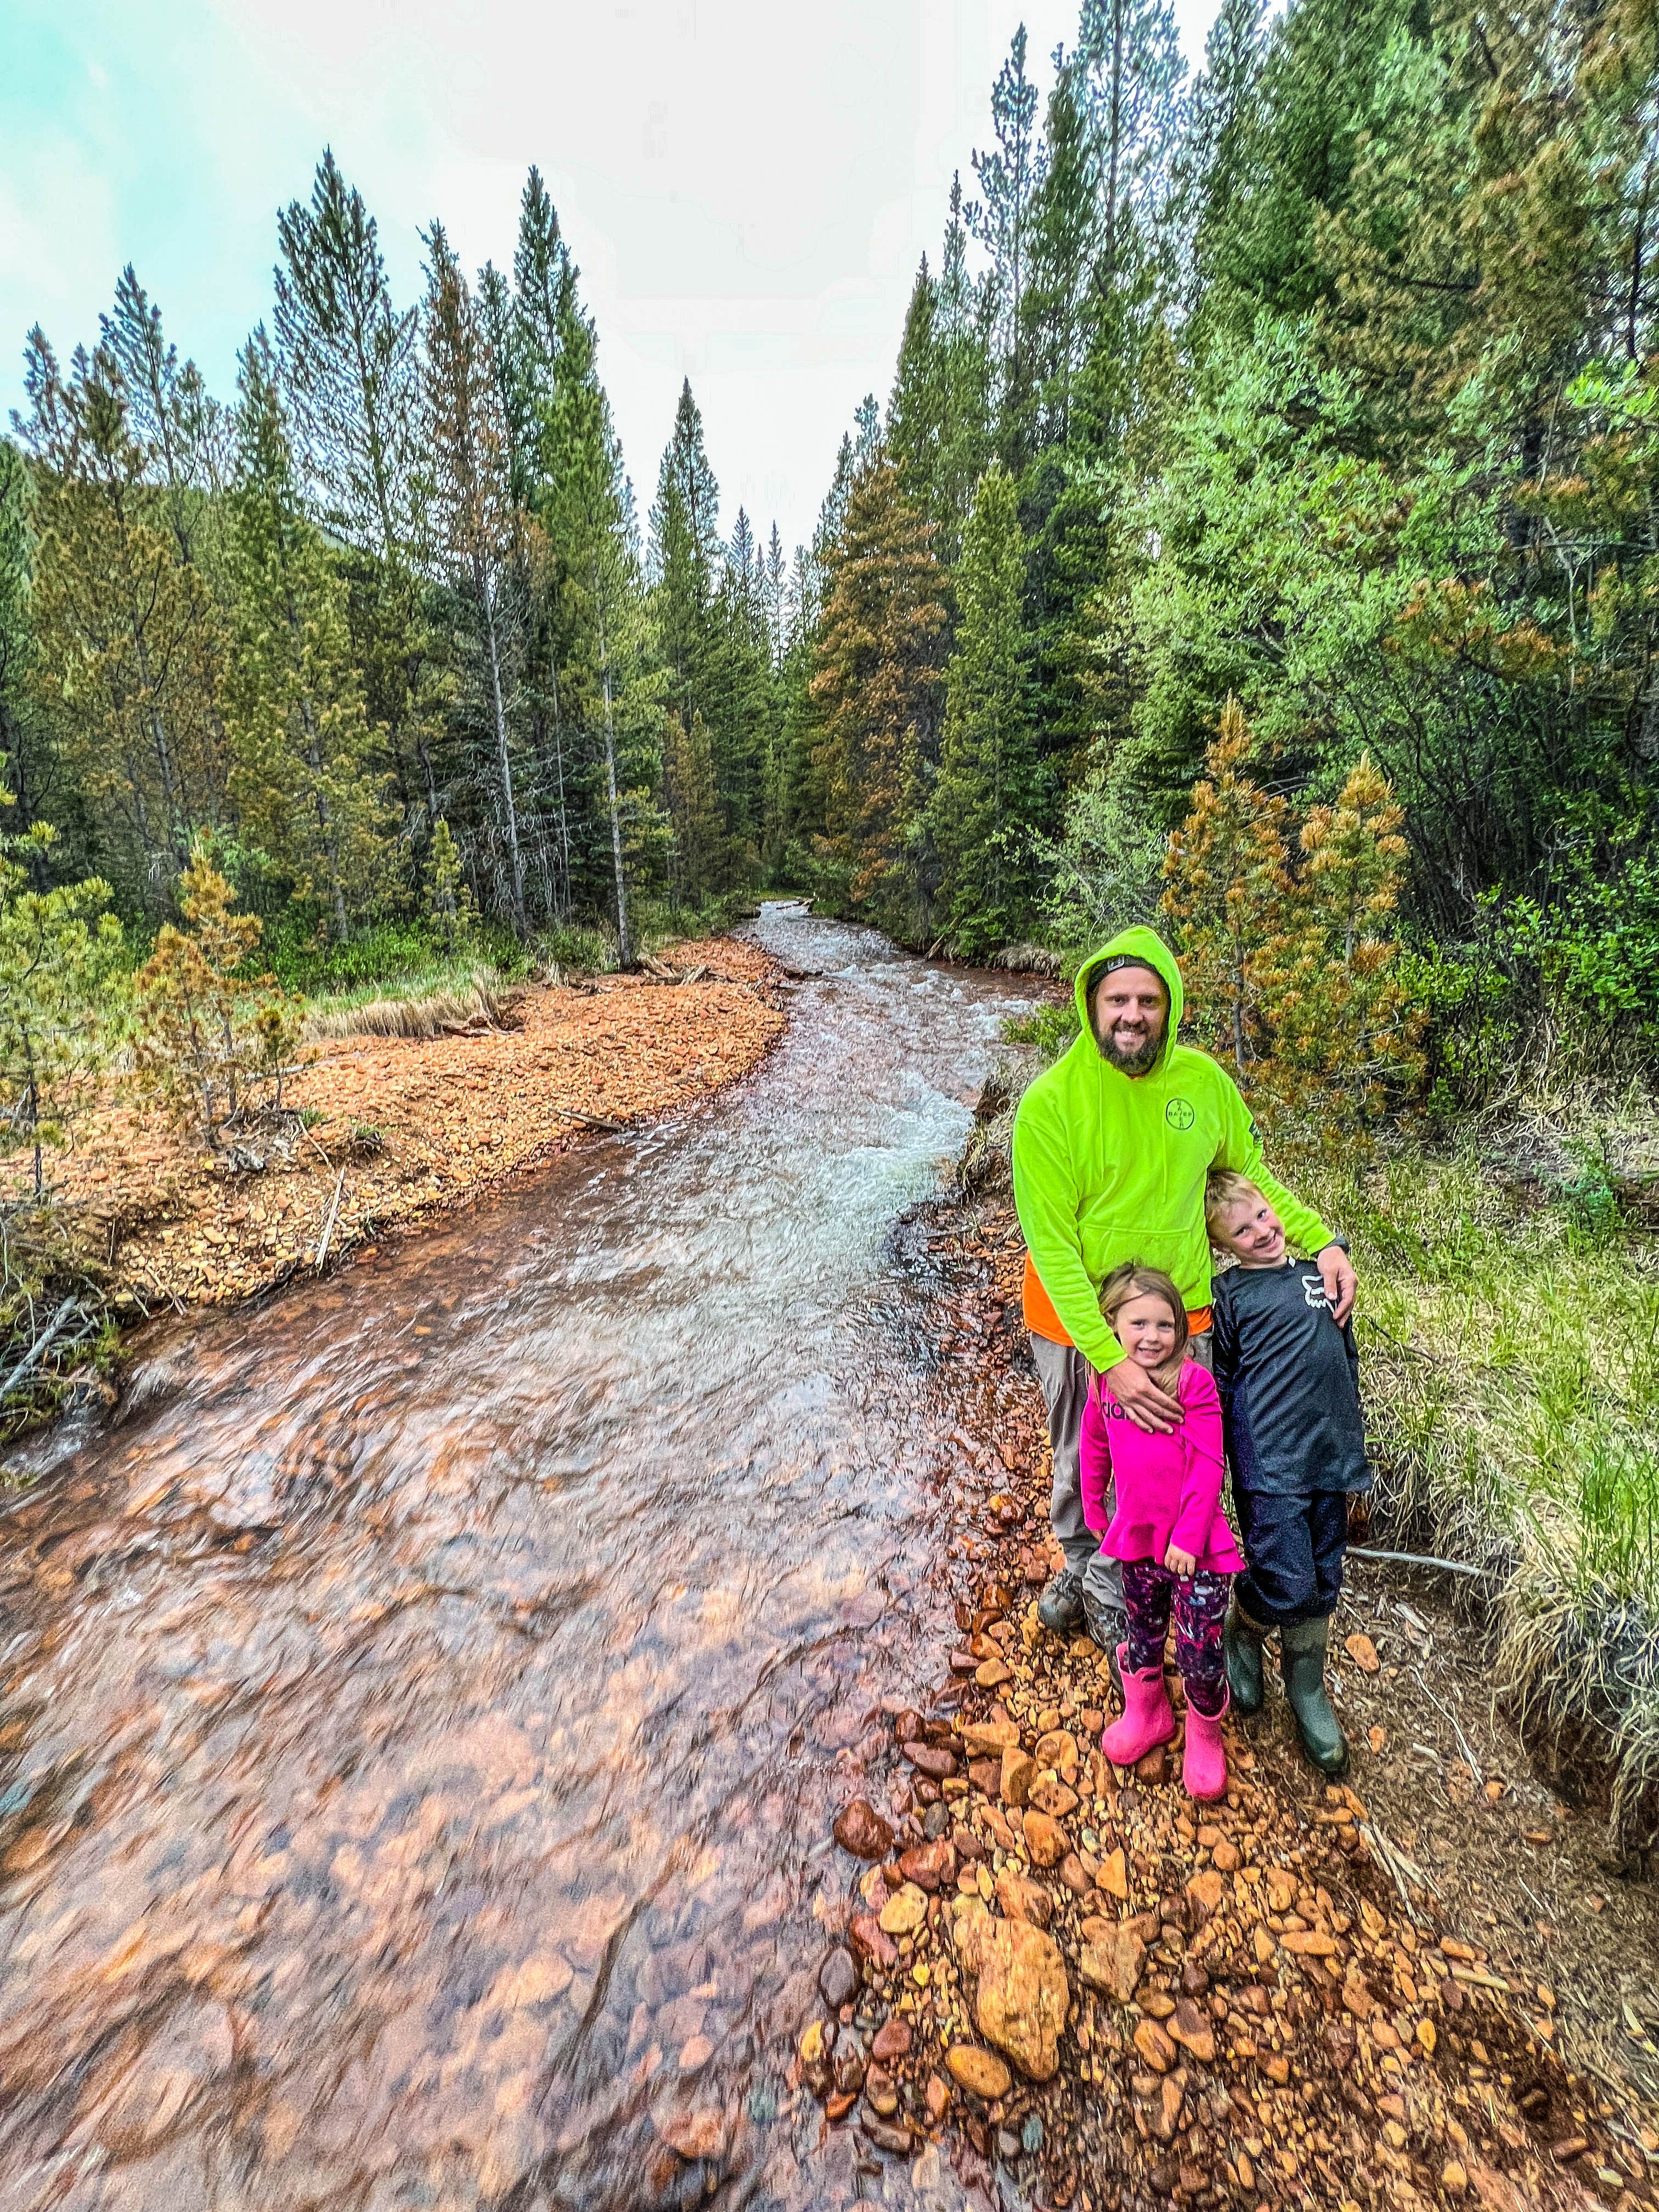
(1512, 1361)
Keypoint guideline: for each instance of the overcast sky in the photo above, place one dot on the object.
(747, 184)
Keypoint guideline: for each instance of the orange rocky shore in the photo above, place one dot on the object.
(1078, 1986)
(399, 1128)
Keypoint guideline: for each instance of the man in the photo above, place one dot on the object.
(1112, 1146)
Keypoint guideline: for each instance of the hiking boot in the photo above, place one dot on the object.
(1109, 1626)
(1241, 1640)
(1302, 1660)
(1060, 1606)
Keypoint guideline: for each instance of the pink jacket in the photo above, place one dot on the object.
(1168, 1487)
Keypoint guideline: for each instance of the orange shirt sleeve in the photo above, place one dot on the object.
(1042, 1320)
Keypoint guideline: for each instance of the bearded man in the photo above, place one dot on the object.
(1112, 1146)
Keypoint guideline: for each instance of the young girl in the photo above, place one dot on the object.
(1169, 1530)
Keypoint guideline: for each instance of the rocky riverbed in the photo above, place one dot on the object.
(1060, 1984)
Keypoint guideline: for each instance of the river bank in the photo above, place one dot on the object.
(380, 1133)
(1308, 1994)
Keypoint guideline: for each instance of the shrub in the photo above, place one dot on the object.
(205, 1033)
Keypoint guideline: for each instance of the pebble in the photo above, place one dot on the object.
(1360, 1649)
(893, 2040)
(930, 1760)
(1018, 1772)
(838, 1977)
(904, 1914)
(928, 1865)
(979, 2070)
(1045, 1840)
(862, 1830)
(885, 2136)
(695, 2054)
(1154, 2046)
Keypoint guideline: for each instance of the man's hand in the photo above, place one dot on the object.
(1146, 1405)
(1336, 1273)
(1179, 1562)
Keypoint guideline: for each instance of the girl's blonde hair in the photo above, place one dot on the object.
(1225, 1188)
(1132, 1280)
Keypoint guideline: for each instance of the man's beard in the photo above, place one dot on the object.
(1135, 1062)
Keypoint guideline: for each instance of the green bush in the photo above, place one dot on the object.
(1050, 1027)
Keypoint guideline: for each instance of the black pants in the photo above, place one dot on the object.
(1293, 1550)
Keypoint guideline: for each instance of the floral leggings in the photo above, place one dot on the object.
(1200, 1604)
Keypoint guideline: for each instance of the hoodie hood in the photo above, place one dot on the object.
(1148, 950)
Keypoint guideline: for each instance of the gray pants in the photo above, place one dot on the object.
(1065, 1376)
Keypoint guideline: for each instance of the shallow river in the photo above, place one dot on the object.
(417, 1731)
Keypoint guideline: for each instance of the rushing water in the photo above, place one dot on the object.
(416, 1732)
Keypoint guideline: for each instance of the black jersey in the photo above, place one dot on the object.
(1289, 1381)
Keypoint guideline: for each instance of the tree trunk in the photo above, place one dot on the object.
(625, 950)
(486, 601)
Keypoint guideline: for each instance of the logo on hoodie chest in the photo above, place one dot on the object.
(1179, 1113)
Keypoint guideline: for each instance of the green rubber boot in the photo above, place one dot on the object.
(1240, 1639)
(1302, 1660)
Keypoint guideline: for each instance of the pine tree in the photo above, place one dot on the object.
(876, 690)
(1346, 1030)
(301, 775)
(1009, 177)
(606, 695)
(172, 417)
(472, 504)
(1227, 890)
(351, 376)
(60, 982)
(205, 1033)
(126, 645)
(25, 741)
(986, 804)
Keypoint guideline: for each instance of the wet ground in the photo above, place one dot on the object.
(419, 1725)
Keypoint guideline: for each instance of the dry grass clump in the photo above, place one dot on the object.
(423, 1014)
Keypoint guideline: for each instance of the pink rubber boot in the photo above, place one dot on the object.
(1148, 1718)
(1204, 1761)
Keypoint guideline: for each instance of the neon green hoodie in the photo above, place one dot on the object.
(1109, 1166)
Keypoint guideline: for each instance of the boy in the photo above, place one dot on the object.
(1288, 1377)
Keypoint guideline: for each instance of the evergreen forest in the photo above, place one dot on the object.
(1259, 534)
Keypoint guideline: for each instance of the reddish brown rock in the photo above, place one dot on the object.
(1075, 1875)
(930, 1760)
(1045, 1840)
(1154, 2046)
(989, 1738)
(1018, 1774)
(1021, 2001)
(862, 1830)
(871, 1941)
(1022, 1898)
(1053, 1797)
(1194, 2031)
(929, 1865)
(893, 2040)
(1111, 1959)
(986, 1775)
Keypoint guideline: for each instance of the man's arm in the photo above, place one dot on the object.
(1045, 1200)
(1240, 1148)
